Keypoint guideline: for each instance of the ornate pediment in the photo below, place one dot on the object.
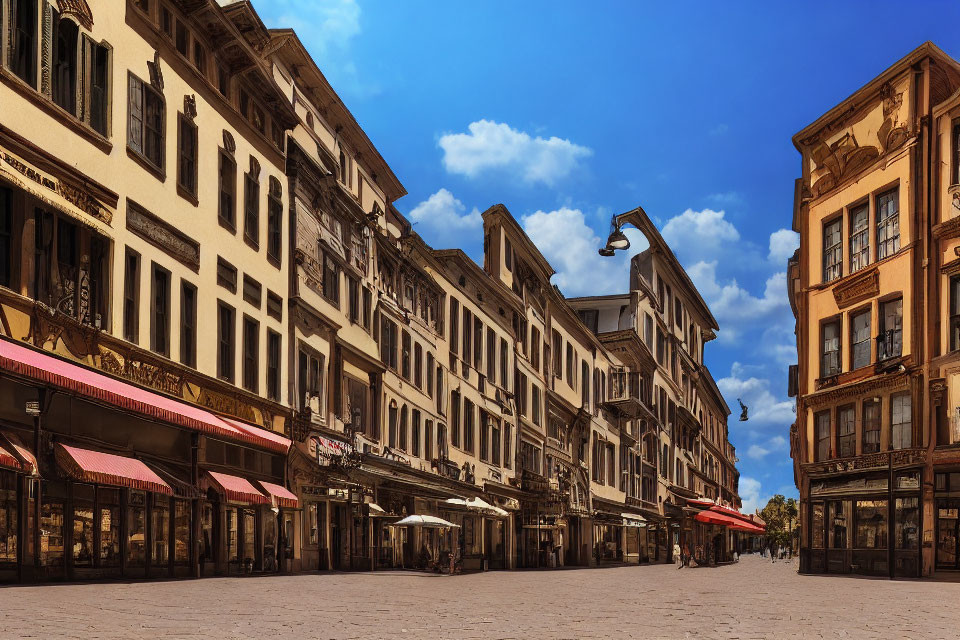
(860, 287)
(79, 10)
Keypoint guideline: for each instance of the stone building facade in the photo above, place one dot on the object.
(872, 289)
(225, 350)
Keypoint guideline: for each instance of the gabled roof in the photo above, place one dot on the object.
(851, 103)
(502, 214)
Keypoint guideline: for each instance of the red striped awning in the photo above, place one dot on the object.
(712, 517)
(282, 496)
(237, 489)
(36, 365)
(9, 461)
(106, 468)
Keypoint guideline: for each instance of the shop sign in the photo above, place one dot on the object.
(342, 494)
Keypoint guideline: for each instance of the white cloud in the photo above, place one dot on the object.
(783, 243)
(444, 216)
(495, 146)
(570, 245)
(765, 408)
(750, 494)
(726, 198)
(703, 231)
(321, 25)
(761, 451)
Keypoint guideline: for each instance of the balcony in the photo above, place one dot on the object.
(624, 395)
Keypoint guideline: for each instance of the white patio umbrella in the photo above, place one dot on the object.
(478, 504)
(427, 522)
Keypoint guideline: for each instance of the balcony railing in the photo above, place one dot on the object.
(625, 393)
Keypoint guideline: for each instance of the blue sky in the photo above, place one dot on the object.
(569, 112)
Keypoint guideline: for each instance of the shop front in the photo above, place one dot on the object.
(608, 536)
(866, 523)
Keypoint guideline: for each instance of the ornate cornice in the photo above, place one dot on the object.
(863, 286)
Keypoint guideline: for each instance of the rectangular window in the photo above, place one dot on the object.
(846, 432)
(182, 39)
(830, 349)
(23, 40)
(273, 365)
(405, 347)
(274, 305)
(521, 391)
(415, 433)
(871, 522)
(504, 350)
(331, 280)
(484, 436)
(871, 426)
(388, 342)
(832, 250)
(454, 325)
(455, 418)
(571, 363)
(251, 354)
(353, 300)
(467, 354)
(251, 209)
(252, 291)
(468, 430)
(954, 313)
(535, 401)
(227, 180)
(418, 365)
(477, 344)
(226, 275)
(367, 305)
(507, 445)
(557, 347)
(901, 422)
(860, 339)
(225, 342)
(590, 318)
(648, 330)
(888, 223)
(274, 224)
(535, 348)
(199, 58)
(131, 297)
(859, 237)
(146, 121)
(186, 155)
(507, 254)
(160, 311)
(822, 423)
(495, 443)
(491, 355)
(890, 340)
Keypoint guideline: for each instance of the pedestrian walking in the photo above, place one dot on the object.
(676, 554)
(686, 554)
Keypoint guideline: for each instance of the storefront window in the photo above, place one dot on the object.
(871, 524)
(233, 549)
(206, 534)
(109, 523)
(137, 529)
(312, 534)
(181, 532)
(838, 525)
(249, 537)
(907, 525)
(83, 548)
(160, 531)
(816, 526)
(51, 532)
(8, 517)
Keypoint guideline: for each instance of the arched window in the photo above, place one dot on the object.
(64, 73)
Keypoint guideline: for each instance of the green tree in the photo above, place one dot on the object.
(781, 515)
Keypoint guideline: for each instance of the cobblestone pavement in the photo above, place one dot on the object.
(752, 599)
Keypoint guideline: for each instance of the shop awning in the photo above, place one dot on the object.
(238, 489)
(9, 461)
(106, 468)
(477, 504)
(45, 368)
(282, 496)
(712, 517)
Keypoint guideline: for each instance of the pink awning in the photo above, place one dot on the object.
(238, 489)
(27, 362)
(8, 460)
(282, 496)
(106, 468)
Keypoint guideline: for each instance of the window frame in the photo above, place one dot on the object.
(188, 325)
(187, 190)
(160, 335)
(137, 113)
(832, 256)
(887, 222)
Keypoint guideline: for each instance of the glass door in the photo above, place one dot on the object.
(947, 519)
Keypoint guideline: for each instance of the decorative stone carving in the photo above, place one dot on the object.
(80, 11)
(860, 287)
(190, 106)
(156, 75)
(163, 235)
(229, 144)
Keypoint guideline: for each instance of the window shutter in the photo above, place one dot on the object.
(135, 118)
